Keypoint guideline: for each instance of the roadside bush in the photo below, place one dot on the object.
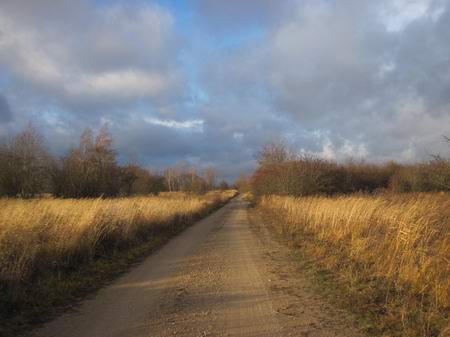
(440, 174)
(305, 176)
(422, 177)
(411, 178)
(366, 177)
(310, 176)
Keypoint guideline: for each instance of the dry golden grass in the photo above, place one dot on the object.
(401, 240)
(47, 235)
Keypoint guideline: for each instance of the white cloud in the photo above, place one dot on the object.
(331, 151)
(352, 150)
(194, 125)
(397, 14)
(239, 136)
(127, 84)
(120, 53)
(21, 54)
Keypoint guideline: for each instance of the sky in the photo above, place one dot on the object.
(209, 82)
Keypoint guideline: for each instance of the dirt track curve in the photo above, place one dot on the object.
(224, 276)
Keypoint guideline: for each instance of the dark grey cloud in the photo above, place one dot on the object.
(6, 114)
(360, 78)
(337, 78)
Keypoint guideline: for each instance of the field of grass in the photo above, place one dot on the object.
(391, 253)
(44, 239)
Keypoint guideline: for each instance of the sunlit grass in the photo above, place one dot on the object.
(47, 235)
(401, 240)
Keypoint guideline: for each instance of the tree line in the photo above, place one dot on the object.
(90, 169)
(284, 172)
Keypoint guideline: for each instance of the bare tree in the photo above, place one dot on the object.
(89, 170)
(24, 164)
(440, 170)
(169, 179)
(274, 152)
(106, 169)
(198, 184)
(129, 176)
(181, 177)
(210, 177)
(177, 177)
(137, 180)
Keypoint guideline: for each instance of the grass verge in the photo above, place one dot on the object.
(390, 272)
(51, 290)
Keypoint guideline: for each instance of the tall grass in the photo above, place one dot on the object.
(42, 236)
(396, 246)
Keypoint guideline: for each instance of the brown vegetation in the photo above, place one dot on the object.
(24, 165)
(40, 238)
(242, 183)
(389, 247)
(391, 252)
(303, 175)
(89, 170)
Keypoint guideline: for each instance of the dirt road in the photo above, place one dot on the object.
(225, 276)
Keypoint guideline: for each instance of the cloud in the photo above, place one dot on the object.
(5, 111)
(368, 79)
(340, 68)
(123, 52)
(195, 125)
(123, 84)
(399, 14)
